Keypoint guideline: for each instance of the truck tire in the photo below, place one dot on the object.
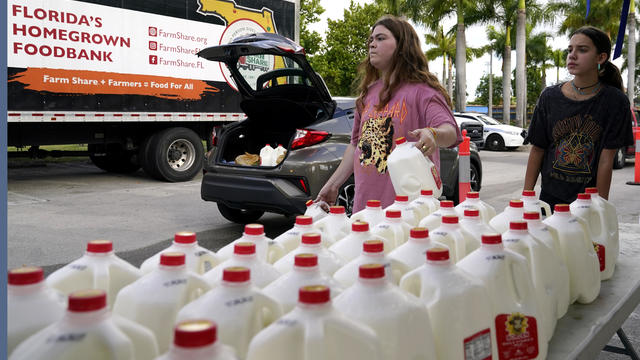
(240, 216)
(144, 156)
(174, 155)
(113, 158)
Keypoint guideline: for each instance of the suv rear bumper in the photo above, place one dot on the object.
(271, 194)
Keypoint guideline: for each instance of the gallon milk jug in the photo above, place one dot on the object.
(399, 319)
(372, 214)
(410, 171)
(197, 340)
(551, 285)
(311, 244)
(334, 226)
(434, 219)
(199, 259)
(578, 254)
(408, 212)
(583, 208)
(392, 229)
(267, 156)
(244, 255)
(532, 203)
(290, 239)
(513, 212)
(267, 249)
(89, 331)
(473, 224)
(425, 204)
(516, 315)
(458, 305)
(305, 272)
(412, 253)
(98, 268)
(31, 305)
(240, 309)
(350, 246)
(610, 218)
(313, 330)
(315, 210)
(372, 253)
(487, 212)
(280, 153)
(155, 299)
(459, 242)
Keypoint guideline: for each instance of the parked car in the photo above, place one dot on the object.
(474, 130)
(628, 152)
(497, 136)
(287, 103)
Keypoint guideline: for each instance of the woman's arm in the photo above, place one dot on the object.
(444, 136)
(329, 191)
(605, 169)
(534, 164)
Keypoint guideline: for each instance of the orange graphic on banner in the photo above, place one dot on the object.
(96, 82)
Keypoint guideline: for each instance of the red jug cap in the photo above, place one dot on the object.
(591, 190)
(516, 203)
(26, 275)
(419, 233)
(195, 333)
(402, 198)
(360, 226)
(531, 215)
(401, 140)
(373, 246)
(473, 195)
(472, 212)
(518, 225)
(236, 274)
(373, 203)
(87, 300)
(311, 238)
(304, 220)
(172, 258)
(371, 271)
(99, 246)
(394, 214)
(337, 209)
(491, 238)
(561, 208)
(254, 229)
(185, 237)
(438, 254)
(528, 193)
(244, 248)
(449, 219)
(446, 203)
(426, 192)
(584, 196)
(306, 260)
(314, 294)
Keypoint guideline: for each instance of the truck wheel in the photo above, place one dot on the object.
(240, 216)
(113, 158)
(175, 155)
(618, 159)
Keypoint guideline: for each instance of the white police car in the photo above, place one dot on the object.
(497, 136)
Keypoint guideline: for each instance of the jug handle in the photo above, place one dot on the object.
(207, 257)
(411, 283)
(398, 269)
(197, 286)
(587, 234)
(546, 207)
(270, 309)
(313, 344)
(275, 251)
(101, 279)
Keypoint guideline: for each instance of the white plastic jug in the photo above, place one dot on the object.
(532, 203)
(98, 268)
(459, 242)
(31, 305)
(280, 153)
(549, 280)
(513, 212)
(487, 212)
(267, 249)
(89, 331)
(244, 255)
(412, 253)
(399, 319)
(313, 330)
(392, 229)
(291, 238)
(240, 309)
(199, 259)
(544, 233)
(473, 224)
(350, 246)
(519, 332)
(609, 216)
(311, 244)
(425, 204)
(583, 208)
(315, 210)
(410, 171)
(267, 156)
(372, 253)
(434, 219)
(334, 226)
(578, 254)
(305, 271)
(409, 213)
(458, 305)
(197, 340)
(154, 300)
(372, 214)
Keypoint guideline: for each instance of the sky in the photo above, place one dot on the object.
(475, 36)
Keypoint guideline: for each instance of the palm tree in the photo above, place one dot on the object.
(631, 53)
(444, 45)
(521, 75)
(604, 15)
(558, 58)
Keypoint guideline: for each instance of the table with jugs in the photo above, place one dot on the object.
(420, 279)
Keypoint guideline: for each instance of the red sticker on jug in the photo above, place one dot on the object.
(436, 177)
(478, 346)
(517, 336)
(599, 249)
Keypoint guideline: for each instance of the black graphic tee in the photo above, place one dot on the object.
(573, 134)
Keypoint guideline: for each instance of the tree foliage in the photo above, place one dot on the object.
(310, 11)
(482, 91)
(604, 14)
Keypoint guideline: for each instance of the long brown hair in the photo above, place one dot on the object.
(408, 64)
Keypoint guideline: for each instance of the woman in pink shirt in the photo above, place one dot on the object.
(398, 97)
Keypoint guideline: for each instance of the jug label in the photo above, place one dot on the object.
(238, 301)
(517, 336)
(599, 249)
(287, 322)
(294, 233)
(436, 177)
(70, 337)
(78, 267)
(200, 253)
(478, 346)
(175, 282)
(495, 257)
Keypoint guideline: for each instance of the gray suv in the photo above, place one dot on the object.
(288, 104)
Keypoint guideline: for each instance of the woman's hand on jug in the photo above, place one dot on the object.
(426, 140)
(327, 195)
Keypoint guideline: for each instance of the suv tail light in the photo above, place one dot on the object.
(306, 138)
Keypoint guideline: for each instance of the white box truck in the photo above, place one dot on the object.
(123, 77)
